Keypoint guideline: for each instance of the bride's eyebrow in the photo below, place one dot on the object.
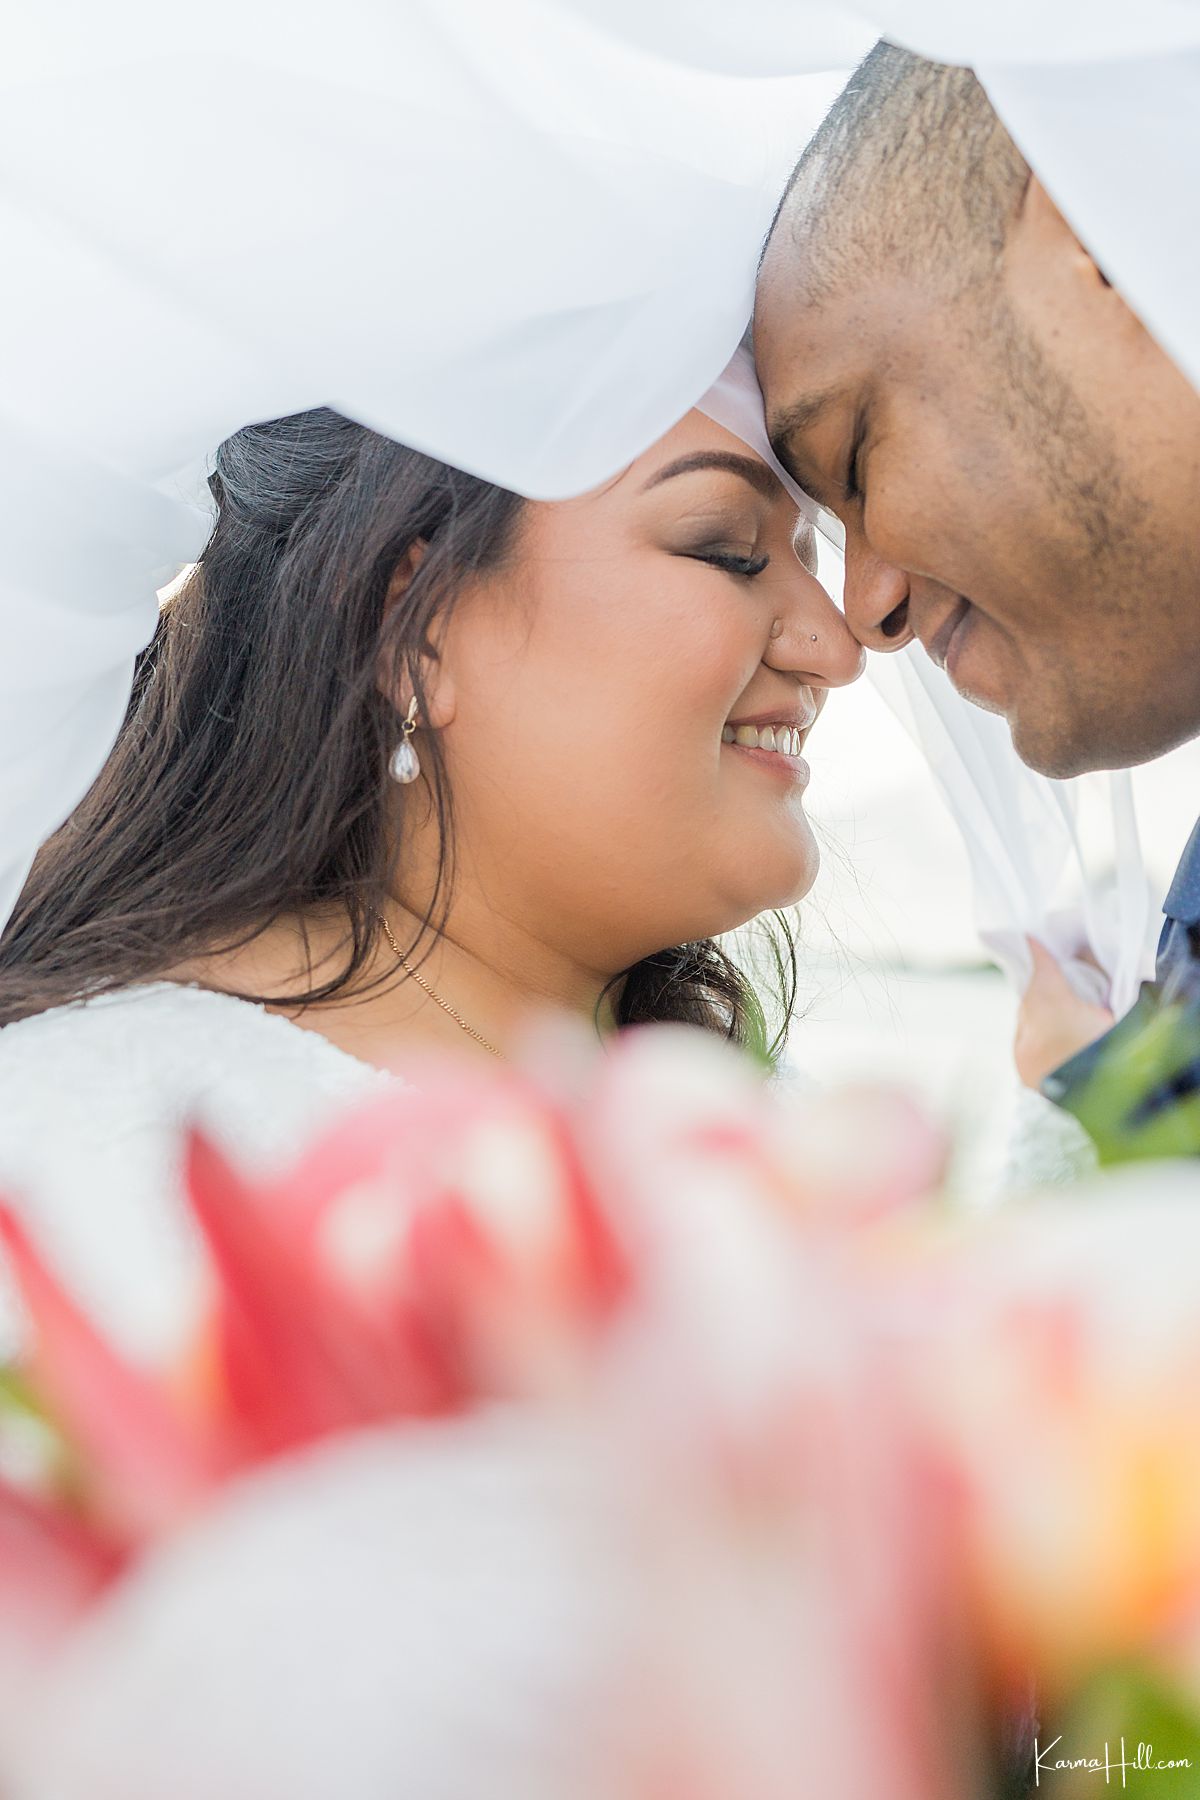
(748, 467)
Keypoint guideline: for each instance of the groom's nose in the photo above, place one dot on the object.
(875, 598)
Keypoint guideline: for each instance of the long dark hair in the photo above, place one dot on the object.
(249, 779)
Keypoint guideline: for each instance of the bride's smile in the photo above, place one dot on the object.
(610, 701)
(412, 757)
(781, 738)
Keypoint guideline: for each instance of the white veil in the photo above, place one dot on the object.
(521, 237)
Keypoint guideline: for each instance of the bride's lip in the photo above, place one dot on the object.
(942, 641)
(799, 718)
(794, 769)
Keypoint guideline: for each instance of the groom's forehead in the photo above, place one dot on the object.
(805, 351)
(819, 361)
(812, 366)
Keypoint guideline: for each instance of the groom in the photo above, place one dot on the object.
(1015, 460)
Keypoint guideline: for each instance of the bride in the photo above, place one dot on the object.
(408, 758)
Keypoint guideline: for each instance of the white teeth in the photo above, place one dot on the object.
(783, 739)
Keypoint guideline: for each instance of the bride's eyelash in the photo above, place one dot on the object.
(732, 563)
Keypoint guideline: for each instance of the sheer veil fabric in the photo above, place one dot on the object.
(492, 231)
(520, 237)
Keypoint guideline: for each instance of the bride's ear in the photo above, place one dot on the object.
(438, 708)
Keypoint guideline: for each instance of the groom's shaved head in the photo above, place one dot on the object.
(911, 166)
(1013, 457)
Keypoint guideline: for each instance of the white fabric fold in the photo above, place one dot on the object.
(780, 37)
(492, 232)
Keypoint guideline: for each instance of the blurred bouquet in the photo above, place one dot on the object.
(614, 1427)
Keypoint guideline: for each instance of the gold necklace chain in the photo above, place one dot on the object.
(435, 997)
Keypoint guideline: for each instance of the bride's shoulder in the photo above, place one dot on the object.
(93, 1100)
(147, 1057)
(165, 1031)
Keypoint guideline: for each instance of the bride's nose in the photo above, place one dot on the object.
(813, 640)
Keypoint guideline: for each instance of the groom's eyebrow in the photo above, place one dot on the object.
(800, 416)
(748, 467)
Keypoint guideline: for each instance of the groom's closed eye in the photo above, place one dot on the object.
(791, 442)
(853, 485)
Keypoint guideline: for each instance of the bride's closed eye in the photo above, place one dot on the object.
(732, 561)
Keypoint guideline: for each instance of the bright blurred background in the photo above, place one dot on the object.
(896, 983)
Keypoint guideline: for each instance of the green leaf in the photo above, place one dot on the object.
(1137, 1091)
(1120, 1727)
(16, 1395)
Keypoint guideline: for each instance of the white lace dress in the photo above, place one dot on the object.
(92, 1099)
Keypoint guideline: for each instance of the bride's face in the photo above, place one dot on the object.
(590, 691)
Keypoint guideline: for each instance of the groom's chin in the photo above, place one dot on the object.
(1061, 750)
(1057, 751)
(1047, 754)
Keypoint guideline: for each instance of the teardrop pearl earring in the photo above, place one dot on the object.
(404, 766)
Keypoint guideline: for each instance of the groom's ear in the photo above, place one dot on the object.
(1052, 272)
(394, 683)
(1045, 229)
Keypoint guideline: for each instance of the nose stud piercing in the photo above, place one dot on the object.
(814, 637)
